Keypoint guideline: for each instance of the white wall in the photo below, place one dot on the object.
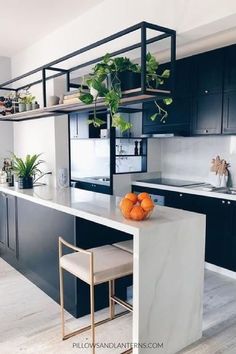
(190, 158)
(193, 21)
(6, 128)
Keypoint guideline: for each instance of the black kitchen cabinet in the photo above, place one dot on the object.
(207, 114)
(229, 113)
(8, 225)
(207, 73)
(230, 68)
(220, 222)
(177, 121)
(184, 77)
(3, 222)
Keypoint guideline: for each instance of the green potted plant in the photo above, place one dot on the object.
(22, 104)
(115, 71)
(26, 169)
(25, 101)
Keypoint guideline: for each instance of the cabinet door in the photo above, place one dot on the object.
(230, 68)
(207, 114)
(3, 221)
(219, 232)
(11, 225)
(209, 72)
(229, 113)
(177, 121)
(183, 77)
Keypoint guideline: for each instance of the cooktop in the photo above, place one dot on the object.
(170, 182)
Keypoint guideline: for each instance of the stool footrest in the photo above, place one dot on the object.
(84, 329)
(122, 303)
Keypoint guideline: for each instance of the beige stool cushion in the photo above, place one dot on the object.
(109, 263)
(125, 245)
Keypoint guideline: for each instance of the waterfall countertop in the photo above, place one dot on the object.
(97, 207)
(168, 262)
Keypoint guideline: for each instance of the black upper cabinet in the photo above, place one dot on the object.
(230, 68)
(229, 113)
(183, 77)
(177, 121)
(208, 72)
(207, 114)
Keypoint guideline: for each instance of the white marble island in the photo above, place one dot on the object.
(168, 264)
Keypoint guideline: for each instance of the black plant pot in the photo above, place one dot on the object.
(128, 80)
(25, 182)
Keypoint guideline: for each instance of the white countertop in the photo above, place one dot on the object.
(186, 190)
(97, 207)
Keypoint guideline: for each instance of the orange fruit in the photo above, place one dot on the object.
(142, 196)
(132, 196)
(147, 204)
(137, 213)
(126, 205)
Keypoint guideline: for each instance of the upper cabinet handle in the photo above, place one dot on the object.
(206, 91)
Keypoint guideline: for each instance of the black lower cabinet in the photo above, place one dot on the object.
(29, 242)
(220, 223)
(8, 226)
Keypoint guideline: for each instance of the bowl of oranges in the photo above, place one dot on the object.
(137, 206)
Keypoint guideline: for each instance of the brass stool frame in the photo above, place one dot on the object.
(112, 298)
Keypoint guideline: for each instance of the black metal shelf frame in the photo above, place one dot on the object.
(144, 92)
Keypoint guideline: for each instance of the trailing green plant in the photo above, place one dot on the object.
(27, 167)
(107, 71)
(154, 80)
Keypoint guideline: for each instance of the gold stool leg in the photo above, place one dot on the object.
(92, 303)
(111, 301)
(62, 302)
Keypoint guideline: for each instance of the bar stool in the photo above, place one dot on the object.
(127, 246)
(95, 266)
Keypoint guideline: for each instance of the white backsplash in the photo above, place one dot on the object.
(190, 158)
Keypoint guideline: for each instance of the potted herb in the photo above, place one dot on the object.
(29, 99)
(26, 170)
(25, 101)
(22, 104)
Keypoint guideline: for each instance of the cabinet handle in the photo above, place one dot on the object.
(229, 202)
(181, 195)
(206, 91)
(223, 201)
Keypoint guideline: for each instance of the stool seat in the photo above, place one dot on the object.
(127, 246)
(109, 263)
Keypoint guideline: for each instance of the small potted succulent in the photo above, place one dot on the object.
(26, 169)
(26, 101)
(22, 104)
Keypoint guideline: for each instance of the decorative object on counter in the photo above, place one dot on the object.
(53, 100)
(3, 177)
(219, 172)
(63, 178)
(8, 105)
(8, 168)
(26, 170)
(137, 207)
(136, 148)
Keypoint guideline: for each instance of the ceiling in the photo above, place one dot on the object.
(25, 22)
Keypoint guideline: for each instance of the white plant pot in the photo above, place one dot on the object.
(28, 106)
(21, 107)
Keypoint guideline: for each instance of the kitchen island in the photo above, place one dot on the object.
(168, 257)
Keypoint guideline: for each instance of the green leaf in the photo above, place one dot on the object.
(168, 101)
(86, 98)
(154, 116)
(119, 122)
(166, 74)
(97, 122)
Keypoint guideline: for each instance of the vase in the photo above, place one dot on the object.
(28, 106)
(25, 182)
(128, 80)
(22, 107)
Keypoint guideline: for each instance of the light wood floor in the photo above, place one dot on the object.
(30, 320)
